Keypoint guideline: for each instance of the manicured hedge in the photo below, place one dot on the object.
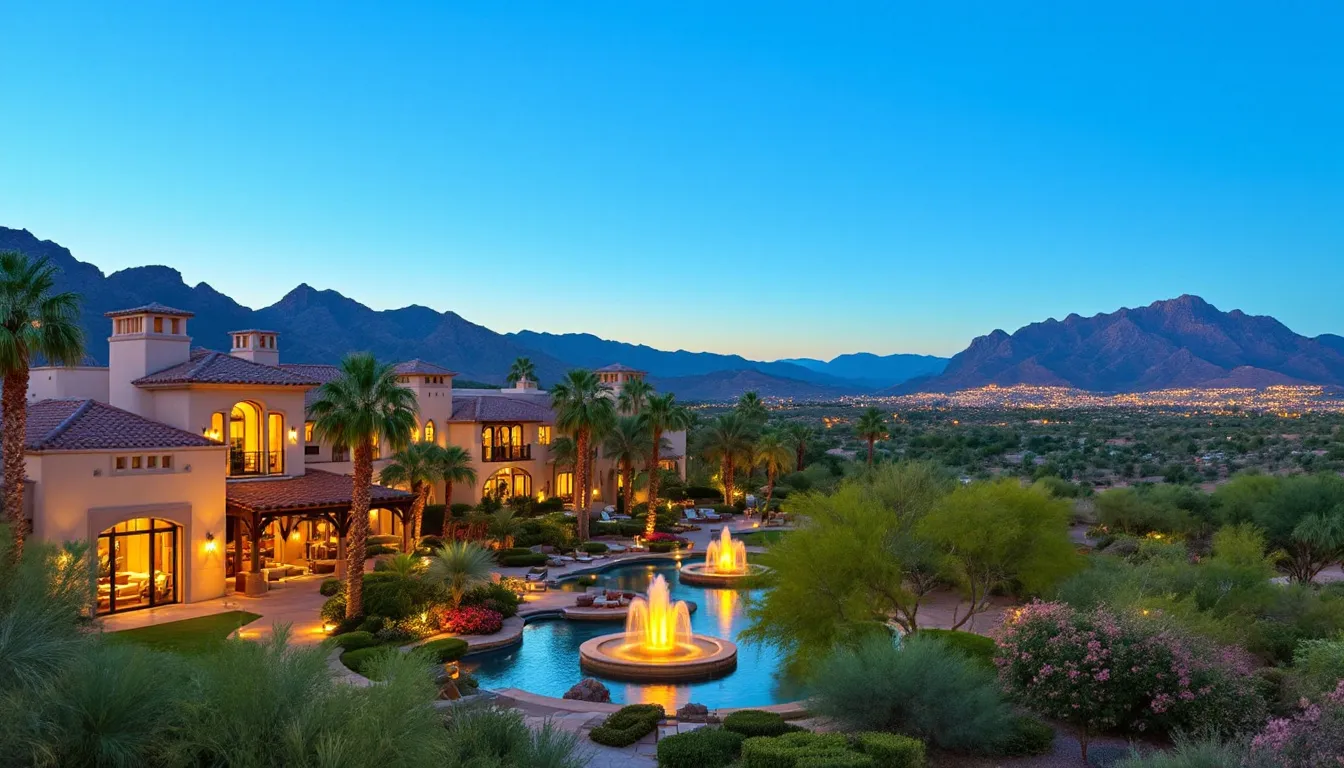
(701, 748)
(353, 641)
(384, 539)
(594, 547)
(446, 649)
(663, 547)
(375, 550)
(796, 750)
(891, 750)
(330, 587)
(519, 561)
(358, 660)
(627, 725)
(756, 722)
(978, 648)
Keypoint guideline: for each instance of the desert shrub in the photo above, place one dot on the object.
(353, 641)
(1185, 752)
(803, 749)
(372, 624)
(891, 750)
(1313, 737)
(384, 540)
(500, 738)
(445, 649)
(1030, 736)
(594, 547)
(627, 725)
(975, 647)
(330, 587)
(520, 561)
(756, 722)
(376, 550)
(1318, 666)
(701, 748)
(496, 597)
(924, 689)
(470, 620)
(393, 596)
(333, 610)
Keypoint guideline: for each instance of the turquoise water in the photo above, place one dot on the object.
(547, 662)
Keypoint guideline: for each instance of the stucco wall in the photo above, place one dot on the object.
(48, 383)
(191, 409)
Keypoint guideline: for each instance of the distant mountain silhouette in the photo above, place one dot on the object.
(727, 385)
(1182, 342)
(874, 371)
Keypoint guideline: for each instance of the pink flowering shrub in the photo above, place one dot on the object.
(1313, 738)
(1101, 672)
(470, 620)
(660, 536)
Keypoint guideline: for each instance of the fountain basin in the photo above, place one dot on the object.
(706, 575)
(698, 657)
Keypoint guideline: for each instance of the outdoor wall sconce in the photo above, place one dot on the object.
(293, 435)
(210, 543)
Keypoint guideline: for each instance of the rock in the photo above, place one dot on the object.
(693, 713)
(588, 689)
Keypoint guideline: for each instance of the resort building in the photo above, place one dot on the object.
(187, 467)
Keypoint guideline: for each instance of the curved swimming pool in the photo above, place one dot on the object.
(547, 661)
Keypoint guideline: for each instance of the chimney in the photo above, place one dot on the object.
(144, 340)
(257, 346)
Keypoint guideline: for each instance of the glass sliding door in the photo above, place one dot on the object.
(137, 565)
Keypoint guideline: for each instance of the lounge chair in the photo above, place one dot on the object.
(583, 558)
(537, 573)
(710, 515)
(691, 515)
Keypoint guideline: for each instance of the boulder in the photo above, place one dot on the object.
(693, 713)
(589, 689)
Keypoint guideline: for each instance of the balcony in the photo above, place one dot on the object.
(254, 463)
(496, 453)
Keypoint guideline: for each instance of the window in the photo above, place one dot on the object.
(121, 463)
(152, 462)
(544, 435)
(166, 462)
(176, 326)
(137, 565)
(564, 485)
(307, 431)
(508, 483)
(429, 431)
(158, 325)
(275, 439)
(136, 461)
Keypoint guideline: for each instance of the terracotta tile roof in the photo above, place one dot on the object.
(75, 425)
(315, 371)
(209, 367)
(618, 368)
(314, 489)
(417, 366)
(153, 306)
(255, 330)
(498, 408)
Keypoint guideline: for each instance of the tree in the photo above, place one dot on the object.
(634, 394)
(997, 534)
(798, 435)
(772, 454)
(35, 322)
(454, 467)
(627, 443)
(363, 405)
(460, 566)
(417, 467)
(751, 408)
(583, 409)
(522, 368)
(871, 426)
(661, 414)
(502, 526)
(726, 443)
(1304, 517)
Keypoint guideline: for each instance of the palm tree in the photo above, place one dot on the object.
(772, 454)
(582, 409)
(726, 442)
(417, 468)
(634, 394)
(364, 405)
(871, 426)
(662, 414)
(454, 467)
(627, 443)
(522, 368)
(502, 526)
(34, 322)
(403, 564)
(460, 566)
(751, 408)
(798, 434)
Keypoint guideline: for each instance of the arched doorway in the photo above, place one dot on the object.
(507, 483)
(138, 565)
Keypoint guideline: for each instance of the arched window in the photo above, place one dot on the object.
(137, 565)
(504, 442)
(507, 483)
(429, 431)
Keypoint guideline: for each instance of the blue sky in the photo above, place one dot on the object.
(772, 179)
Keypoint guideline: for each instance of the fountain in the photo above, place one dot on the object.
(657, 644)
(725, 564)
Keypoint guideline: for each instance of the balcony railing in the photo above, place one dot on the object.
(245, 463)
(506, 452)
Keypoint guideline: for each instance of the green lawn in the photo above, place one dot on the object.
(188, 636)
(760, 538)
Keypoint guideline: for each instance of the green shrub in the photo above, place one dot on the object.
(383, 540)
(663, 547)
(701, 748)
(520, 561)
(496, 597)
(1030, 736)
(978, 648)
(333, 610)
(495, 737)
(923, 688)
(445, 649)
(330, 587)
(380, 549)
(627, 725)
(594, 547)
(803, 750)
(513, 552)
(372, 624)
(353, 641)
(1318, 666)
(1189, 753)
(460, 510)
(756, 722)
(361, 660)
(393, 596)
(891, 750)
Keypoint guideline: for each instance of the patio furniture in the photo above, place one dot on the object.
(692, 515)
(710, 515)
(585, 600)
(583, 558)
(537, 573)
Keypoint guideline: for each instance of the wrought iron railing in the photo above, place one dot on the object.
(506, 452)
(243, 463)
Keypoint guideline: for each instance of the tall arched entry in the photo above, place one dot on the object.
(507, 483)
(138, 565)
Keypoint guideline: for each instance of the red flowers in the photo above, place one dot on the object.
(471, 620)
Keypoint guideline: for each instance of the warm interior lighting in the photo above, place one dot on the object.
(210, 543)
(293, 435)
(295, 536)
(725, 555)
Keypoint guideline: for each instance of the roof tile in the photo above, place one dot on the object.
(210, 367)
(74, 425)
(313, 489)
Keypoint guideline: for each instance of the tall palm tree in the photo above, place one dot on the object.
(726, 442)
(772, 454)
(661, 414)
(582, 409)
(454, 467)
(363, 405)
(798, 434)
(460, 566)
(627, 443)
(871, 426)
(417, 467)
(634, 394)
(752, 408)
(35, 321)
(522, 368)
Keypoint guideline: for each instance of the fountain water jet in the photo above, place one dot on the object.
(658, 626)
(725, 564)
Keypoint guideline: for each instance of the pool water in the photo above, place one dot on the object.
(547, 661)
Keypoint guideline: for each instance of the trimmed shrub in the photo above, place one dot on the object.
(594, 547)
(380, 549)
(496, 597)
(393, 596)
(802, 750)
(1030, 737)
(333, 610)
(359, 660)
(663, 547)
(701, 748)
(521, 561)
(460, 510)
(891, 750)
(445, 649)
(975, 647)
(353, 641)
(372, 624)
(384, 540)
(756, 722)
(330, 587)
(627, 725)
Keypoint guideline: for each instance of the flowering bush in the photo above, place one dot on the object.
(1311, 739)
(1098, 672)
(470, 620)
(659, 536)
